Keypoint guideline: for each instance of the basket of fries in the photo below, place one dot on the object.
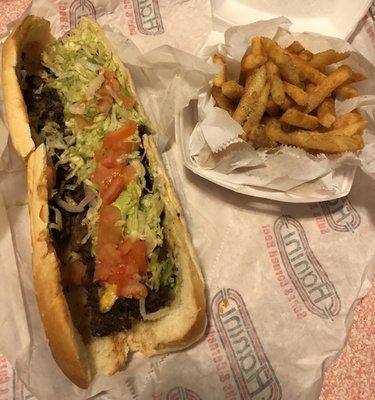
(296, 110)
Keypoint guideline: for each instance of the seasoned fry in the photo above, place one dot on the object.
(347, 119)
(356, 76)
(310, 87)
(252, 61)
(296, 47)
(327, 57)
(336, 141)
(221, 76)
(259, 138)
(307, 71)
(327, 86)
(232, 90)
(347, 91)
(256, 113)
(288, 103)
(256, 46)
(306, 55)
(272, 109)
(254, 85)
(282, 59)
(326, 112)
(287, 96)
(296, 93)
(277, 87)
(222, 101)
(301, 120)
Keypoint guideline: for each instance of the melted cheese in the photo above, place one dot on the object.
(107, 297)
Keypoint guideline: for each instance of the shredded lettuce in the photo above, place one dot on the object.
(78, 61)
(160, 273)
(141, 214)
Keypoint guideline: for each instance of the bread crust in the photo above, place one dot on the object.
(64, 340)
(32, 28)
(186, 321)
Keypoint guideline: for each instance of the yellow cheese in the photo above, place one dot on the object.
(107, 297)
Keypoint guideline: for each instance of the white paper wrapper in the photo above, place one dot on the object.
(287, 170)
(266, 339)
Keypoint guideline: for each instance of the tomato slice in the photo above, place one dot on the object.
(138, 251)
(112, 139)
(108, 232)
(114, 189)
(82, 123)
(104, 104)
(132, 289)
(127, 101)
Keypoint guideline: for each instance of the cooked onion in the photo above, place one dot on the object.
(79, 207)
(69, 207)
(151, 316)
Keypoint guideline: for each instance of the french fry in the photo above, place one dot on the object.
(296, 93)
(347, 91)
(310, 87)
(272, 109)
(327, 57)
(296, 47)
(254, 84)
(277, 87)
(232, 90)
(282, 59)
(256, 46)
(307, 71)
(299, 119)
(259, 138)
(252, 61)
(356, 76)
(221, 76)
(222, 101)
(347, 119)
(256, 113)
(327, 86)
(326, 112)
(306, 55)
(337, 141)
(288, 103)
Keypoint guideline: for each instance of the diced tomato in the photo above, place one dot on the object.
(108, 232)
(75, 273)
(103, 90)
(125, 247)
(138, 251)
(132, 289)
(113, 190)
(51, 175)
(127, 101)
(82, 123)
(112, 139)
(111, 158)
(128, 174)
(112, 81)
(104, 104)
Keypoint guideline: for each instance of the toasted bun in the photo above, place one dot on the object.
(186, 319)
(31, 29)
(66, 344)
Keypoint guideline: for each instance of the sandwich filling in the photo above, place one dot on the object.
(106, 215)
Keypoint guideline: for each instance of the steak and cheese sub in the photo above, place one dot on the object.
(114, 267)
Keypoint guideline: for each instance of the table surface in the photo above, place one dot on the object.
(352, 375)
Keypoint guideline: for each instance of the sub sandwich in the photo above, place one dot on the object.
(114, 267)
